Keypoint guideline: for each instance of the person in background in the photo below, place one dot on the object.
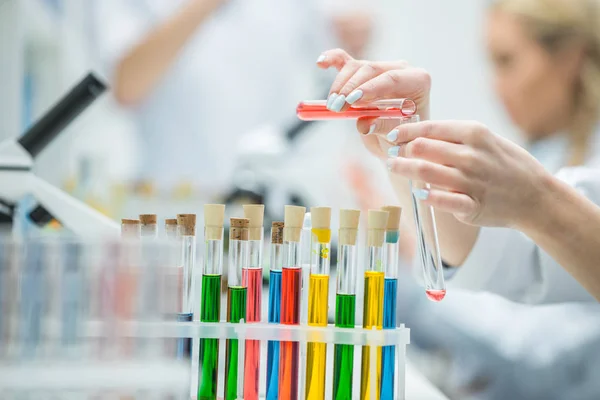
(185, 66)
(546, 57)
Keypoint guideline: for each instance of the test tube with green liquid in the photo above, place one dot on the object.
(236, 299)
(345, 303)
(210, 305)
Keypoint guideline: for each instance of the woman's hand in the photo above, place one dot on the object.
(360, 82)
(479, 177)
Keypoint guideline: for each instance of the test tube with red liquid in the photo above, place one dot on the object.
(291, 287)
(316, 110)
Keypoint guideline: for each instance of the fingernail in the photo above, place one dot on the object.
(354, 96)
(321, 58)
(421, 194)
(372, 128)
(338, 103)
(390, 164)
(392, 136)
(331, 99)
(394, 151)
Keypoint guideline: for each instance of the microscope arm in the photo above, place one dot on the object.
(73, 214)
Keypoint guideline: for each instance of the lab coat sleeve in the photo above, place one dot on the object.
(508, 263)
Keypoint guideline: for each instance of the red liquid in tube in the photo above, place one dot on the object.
(316, 110)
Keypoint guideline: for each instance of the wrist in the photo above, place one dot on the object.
(546, 195)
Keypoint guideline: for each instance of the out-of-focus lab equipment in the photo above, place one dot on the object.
(17, 159)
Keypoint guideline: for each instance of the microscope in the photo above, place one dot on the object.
(17, 180)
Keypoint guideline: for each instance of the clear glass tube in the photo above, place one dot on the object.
(428, 245)
(346, 270)
(149, 231)
(213, 257)
(188, 261)
(238, 260)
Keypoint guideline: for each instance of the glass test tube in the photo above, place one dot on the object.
(126, 280)
(315, 110)
(186, 226)
(236, 299)
(210, 307)
(318, 299)
(345, 303)
(291, 285)
(276, 263)
(373, 302)
(149, 228)
(252, 280)
(390, 295)
(428, 245)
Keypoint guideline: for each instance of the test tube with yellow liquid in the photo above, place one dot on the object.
(373, 301)
(318, 296)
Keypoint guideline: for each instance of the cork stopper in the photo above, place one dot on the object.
(214, 217)
(377, 222)
(255, 213)
(130, 228)
(320, 217)
(277, 232)
(171, 221)
(349, 226)
(294, 218)
(393, 223)
(238, 228)
(148, 219)
(187, 224)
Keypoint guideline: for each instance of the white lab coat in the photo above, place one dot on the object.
(232, 76)
(508, 263)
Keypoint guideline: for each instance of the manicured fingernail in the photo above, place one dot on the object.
(354, 96)
(331, 99)
(372, 128)
(394, 151)
(338, 103)
(390, 164)
(421, 194)
(321, 58)
(392, 136)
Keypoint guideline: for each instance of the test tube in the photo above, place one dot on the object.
(318, 298)
(236, 298)
(131, 228)
(272, 392)
(373, 301)
(316, 110)
(428, 245)
(252, 280)
(390, 294)
(210, 307)
(149, 229)
(171, 231)
(186, 226)
(345, 303)
(291, 285)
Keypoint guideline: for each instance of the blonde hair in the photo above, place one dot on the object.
(559, 23)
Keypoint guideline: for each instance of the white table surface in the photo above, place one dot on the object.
(419, 388)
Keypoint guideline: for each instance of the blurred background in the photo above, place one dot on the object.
(221, 127)
(48, 45)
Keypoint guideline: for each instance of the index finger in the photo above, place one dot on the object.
(336, 58)
(449, 131)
